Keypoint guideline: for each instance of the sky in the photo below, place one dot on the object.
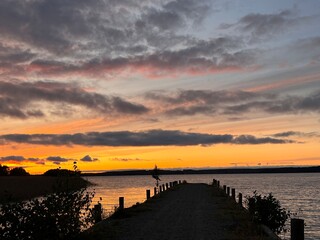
(124, 84)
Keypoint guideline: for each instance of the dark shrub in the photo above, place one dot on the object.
(18, 171)
(268, 211)
(57, 216)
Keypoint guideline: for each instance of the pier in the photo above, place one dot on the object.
(182, 211)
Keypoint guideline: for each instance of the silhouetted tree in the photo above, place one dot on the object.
(4, 170)
(60, 173)
(18, 171)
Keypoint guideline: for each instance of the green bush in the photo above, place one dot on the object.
(268, 211)
(60, 215)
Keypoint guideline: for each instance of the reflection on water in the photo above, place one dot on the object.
(297, 192)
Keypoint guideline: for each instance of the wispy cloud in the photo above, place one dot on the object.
(296, 133)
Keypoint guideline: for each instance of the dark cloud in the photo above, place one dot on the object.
(22, 159)
(57, 159)
(197, 57)
(288, 104)
(87, 158)
(296, 133)
(54, 159)
(249, 139)
(265, 25)
(18, 99)
(191, 102)
(12, 158)
(109, 36)
(146, 138)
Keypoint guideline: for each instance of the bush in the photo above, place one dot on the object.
(268, 211)
(4, 170)
(60, 173)
(60, 215)
(18, 171)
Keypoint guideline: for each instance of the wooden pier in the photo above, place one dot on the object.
(182, 211)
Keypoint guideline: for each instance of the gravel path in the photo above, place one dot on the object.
(190, 212)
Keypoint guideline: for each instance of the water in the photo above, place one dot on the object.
(296, 192)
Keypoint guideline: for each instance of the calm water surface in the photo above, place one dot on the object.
(297, 192)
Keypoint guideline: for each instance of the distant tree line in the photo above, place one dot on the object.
(17, 171)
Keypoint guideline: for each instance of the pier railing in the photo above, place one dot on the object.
(100, 212)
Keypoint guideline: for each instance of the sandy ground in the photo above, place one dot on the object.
(189, 212)
(27, 187)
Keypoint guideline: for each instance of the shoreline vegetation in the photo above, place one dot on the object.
(19, 188)
(240, 170)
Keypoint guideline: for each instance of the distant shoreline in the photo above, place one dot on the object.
(314, 169)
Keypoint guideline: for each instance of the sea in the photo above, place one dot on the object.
(297, 192)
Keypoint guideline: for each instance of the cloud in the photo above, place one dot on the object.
(54, 159)
(19, 99)
(261, 26)
(281, 105)
(87, 158)
(61, 39)
(127, 159)
(296, 133)
(19, 159)
(145, 138)
(207, 102)
(57, 159)
(12, 158)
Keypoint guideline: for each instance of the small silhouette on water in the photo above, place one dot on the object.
(156, 174)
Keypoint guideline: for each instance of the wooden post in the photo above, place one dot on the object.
(121, 203)
(233, 193)
(224, 188)
(240, 199)
(297, 229)
(218, 184)
(97, 212)
(179, 181)
(228, 191)
(154, 191)
(167, 186)
(148, 193)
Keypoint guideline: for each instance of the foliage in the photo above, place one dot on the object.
(268, 211)
(18, 171)
(60, 172)
(4, 170)
(60, 215)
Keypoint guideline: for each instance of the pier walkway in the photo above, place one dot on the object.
(187, 212)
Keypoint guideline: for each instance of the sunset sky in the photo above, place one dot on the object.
(124, 84)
